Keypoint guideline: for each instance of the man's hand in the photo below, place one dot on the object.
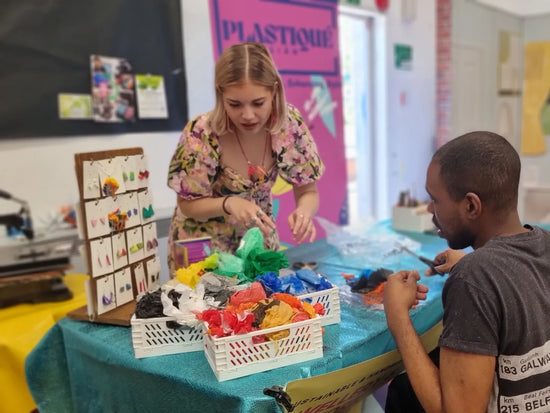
(445, 260)
(401, 292)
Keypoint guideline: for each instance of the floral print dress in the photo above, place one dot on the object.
(195, 172)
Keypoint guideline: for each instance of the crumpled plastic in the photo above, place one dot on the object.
(191, 275)
(366, 249)
(148, 305)
(190, 303)
(254, 293)
(250, 259)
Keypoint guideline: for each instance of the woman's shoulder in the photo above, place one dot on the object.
(200, 125)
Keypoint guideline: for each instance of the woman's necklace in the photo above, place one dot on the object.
(254, 172)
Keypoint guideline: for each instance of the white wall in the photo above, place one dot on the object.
(411, 100)
(478, 26)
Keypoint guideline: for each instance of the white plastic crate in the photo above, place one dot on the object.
(238, 356)
(153, 337)
(330, 300)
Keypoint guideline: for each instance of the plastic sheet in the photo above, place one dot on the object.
(363, 249)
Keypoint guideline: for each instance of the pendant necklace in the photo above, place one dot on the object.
(257, 172)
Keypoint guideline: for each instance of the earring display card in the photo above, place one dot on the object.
(146, 206)
(90, 174)
(120, 251)
(106, 298)
(134, 240)
(128, 203)
(97, 217)
(139, 277)
(101, 256)
(116, 223)
(110, 177)
(123, 286)
(153, 272)
(130, 172)
(143, 172)
(150, 239)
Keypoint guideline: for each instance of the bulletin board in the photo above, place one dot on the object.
(45, 49)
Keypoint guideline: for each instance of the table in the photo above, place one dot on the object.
(80, 366)
(22, 326)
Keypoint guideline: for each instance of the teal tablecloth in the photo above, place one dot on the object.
(86, 367)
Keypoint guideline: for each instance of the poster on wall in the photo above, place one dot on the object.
(509, 63)
(113, 96)
(302, 37)
(535, 124)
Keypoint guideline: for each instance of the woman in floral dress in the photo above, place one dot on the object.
(227, 160)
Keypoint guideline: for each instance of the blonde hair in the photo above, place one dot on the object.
(239, 63)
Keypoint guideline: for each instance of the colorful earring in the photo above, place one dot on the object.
(148, 212)
(107, 300)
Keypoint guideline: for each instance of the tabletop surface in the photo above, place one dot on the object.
(81, 366)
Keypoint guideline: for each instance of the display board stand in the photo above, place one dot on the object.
(116, 224)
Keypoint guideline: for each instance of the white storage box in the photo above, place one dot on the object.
(330, 300)
(416, 219)
(238, 355)
(153, 337)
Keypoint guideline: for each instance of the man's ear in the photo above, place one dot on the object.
(473, 205)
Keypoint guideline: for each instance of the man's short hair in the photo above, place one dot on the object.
(484, 163)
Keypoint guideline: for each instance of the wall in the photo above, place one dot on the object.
(478, 27)
(537, 29)
(410, 98)
(41, 170)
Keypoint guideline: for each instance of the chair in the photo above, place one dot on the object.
(344, 390)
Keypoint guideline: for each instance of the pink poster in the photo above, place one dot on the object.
(302, 36)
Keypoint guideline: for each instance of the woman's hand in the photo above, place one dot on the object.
(445, 260)
(249, 215)
(302, 226)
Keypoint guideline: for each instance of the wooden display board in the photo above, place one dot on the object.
(116, 222)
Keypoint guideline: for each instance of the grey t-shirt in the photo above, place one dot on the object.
(497, 302)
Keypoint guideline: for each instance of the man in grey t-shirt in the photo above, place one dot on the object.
(495, 344)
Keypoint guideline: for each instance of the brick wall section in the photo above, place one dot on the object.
(443, 58)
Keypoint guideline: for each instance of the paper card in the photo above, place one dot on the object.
(128, 203)
(130, 172)
(101, 256)
(143, 171)
(146, 206)
(151, 97)
(90, 180)
(153, 272)
(139, 278)
(150, 240)
(123, 286)
(120, 250)
(113, 97)
(134, 241)
(106, 297)
(74, 106)
(110, 177)
(97, 217)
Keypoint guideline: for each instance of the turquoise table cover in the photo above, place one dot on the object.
(87, 367)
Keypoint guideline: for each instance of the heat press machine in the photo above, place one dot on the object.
(32, 264)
